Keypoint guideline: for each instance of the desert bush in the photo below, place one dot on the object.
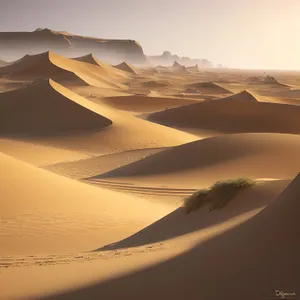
(218, 195)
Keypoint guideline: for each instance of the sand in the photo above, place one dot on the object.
(234, 114)
(96, 161)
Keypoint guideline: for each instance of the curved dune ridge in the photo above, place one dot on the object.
(124, 66)
(201, 163)
(64, 70)
(238, 113)
(209, 88)
(34, 202)
(250, 261)
(244, 96)
(46, 107)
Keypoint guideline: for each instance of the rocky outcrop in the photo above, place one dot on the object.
(167, 59)
(17, 44)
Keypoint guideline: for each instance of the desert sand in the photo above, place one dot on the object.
(97, 159)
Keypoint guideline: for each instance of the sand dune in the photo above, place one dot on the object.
(46, 107)
(64, 70)
(201, 163)
(209, 88)
(105, 69)
(126, 133)
(58, 214)
(145, 103)
(126, 67)
(177, 223)
(233, 116)
(240, 262)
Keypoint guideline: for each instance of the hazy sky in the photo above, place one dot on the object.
(237, 33)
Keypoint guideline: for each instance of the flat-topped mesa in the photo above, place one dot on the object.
(16, 44)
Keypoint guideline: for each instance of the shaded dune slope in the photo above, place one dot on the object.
(239, 113)
(256, 155)
(46, 107)
(248, 262)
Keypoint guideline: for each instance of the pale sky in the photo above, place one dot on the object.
(263, 34)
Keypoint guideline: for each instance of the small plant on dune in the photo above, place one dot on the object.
(218, 195)
(196, 200)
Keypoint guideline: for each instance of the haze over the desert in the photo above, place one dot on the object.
(261, 34)
(149, 150)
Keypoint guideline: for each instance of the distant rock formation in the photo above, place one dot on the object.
(178, 67)
(17, 44)
(167, 59)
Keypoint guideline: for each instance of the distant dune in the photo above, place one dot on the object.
(46, 107)
(239, 113)
(126, 67)
(209, 88)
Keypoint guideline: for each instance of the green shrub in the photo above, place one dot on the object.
(218, 195)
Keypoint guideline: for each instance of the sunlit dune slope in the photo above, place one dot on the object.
(44, 212)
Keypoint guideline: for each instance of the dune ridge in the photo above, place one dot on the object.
(233, 115)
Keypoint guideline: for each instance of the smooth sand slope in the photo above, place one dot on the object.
(46, 107)
(64, 70)
(145, 104)
(38, 155)
(124, 66)
(250, 261)
(239, 113)
(201, 163)
(45, 213)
